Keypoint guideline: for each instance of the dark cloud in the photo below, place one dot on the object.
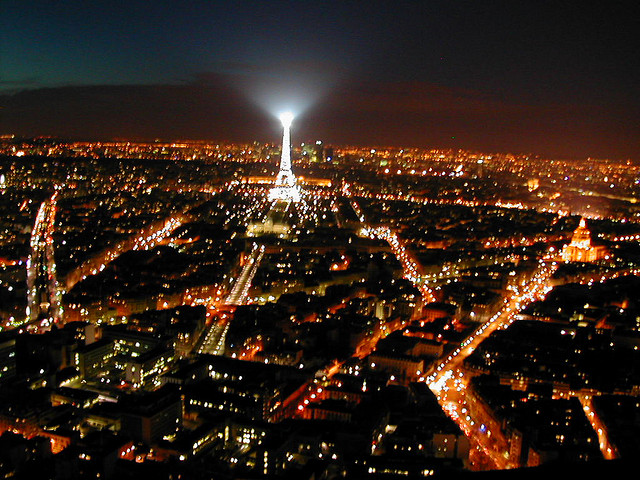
(134, 111)
(365, 113)
(9, 87)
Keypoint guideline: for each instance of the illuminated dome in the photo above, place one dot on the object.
(580, 249)
(581, 236)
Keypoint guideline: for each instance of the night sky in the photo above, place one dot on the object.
(557, 78)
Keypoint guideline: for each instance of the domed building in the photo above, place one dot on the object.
(580, 249)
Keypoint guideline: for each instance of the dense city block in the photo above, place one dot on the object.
(188, 310)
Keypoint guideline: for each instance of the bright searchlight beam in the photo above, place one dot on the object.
(286, 118)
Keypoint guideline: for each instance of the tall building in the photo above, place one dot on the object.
(286, 187)
(580, 249)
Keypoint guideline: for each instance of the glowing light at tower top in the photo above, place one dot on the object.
(286, 118)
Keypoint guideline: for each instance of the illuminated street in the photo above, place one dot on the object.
(240, 290)
(44, 296)
(214, 337)
(448, 381)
